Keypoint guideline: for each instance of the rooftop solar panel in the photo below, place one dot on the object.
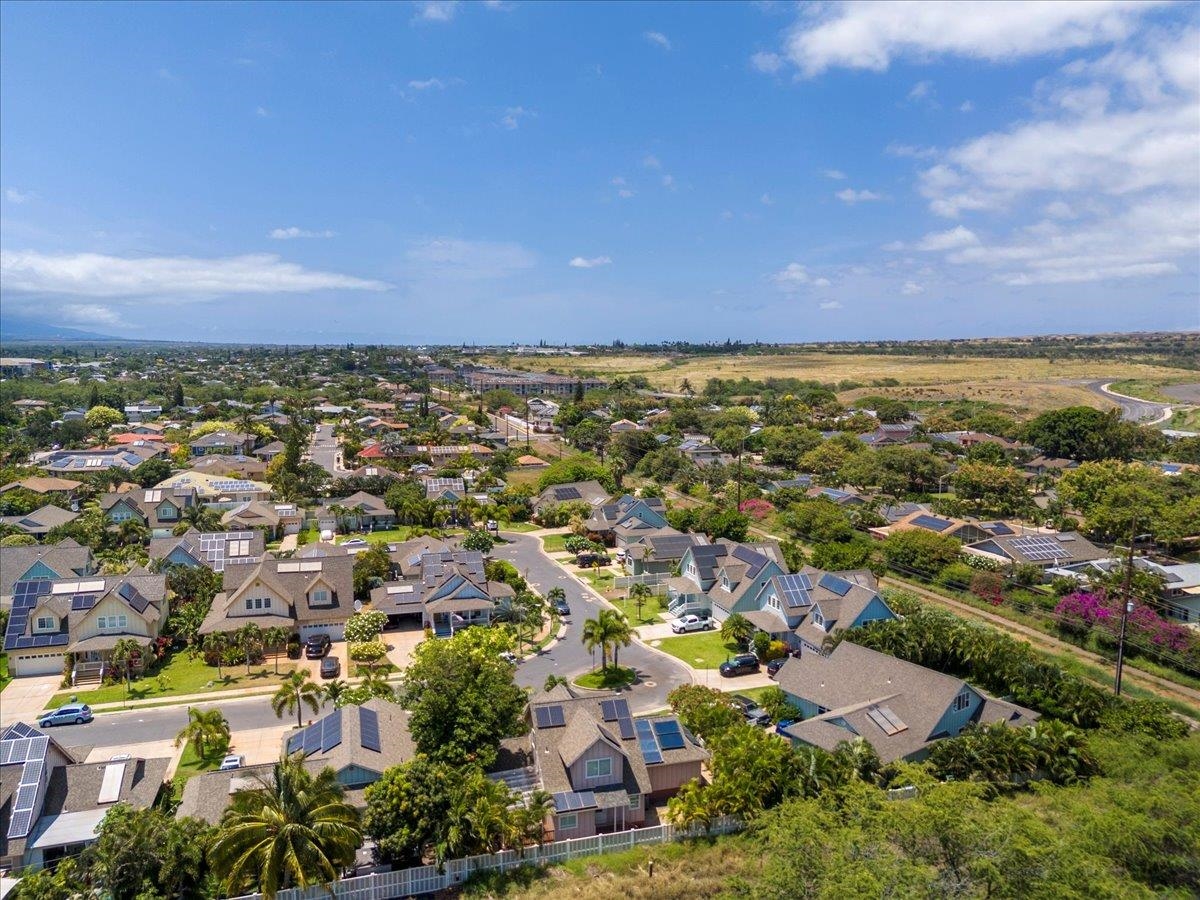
(312, 739)
(625, 724)
(669, 734)
(836, 585)
(331, 731)
(368, 726)
(648, 743)
(933, 523)
(295, 742)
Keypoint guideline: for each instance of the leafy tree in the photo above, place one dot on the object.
(777, 704)
(275, 638)
(151, 472)
(462, 696)
(579, 467)
(479, 540)
(249, 640)
(372, 568)
(819, 520)
(1082, 433)
(916, 549)
(718, 523)
(124, 654)
(998, 489)
(365, 625)
(215, 645)
(102, 417)
(206, 729)
(142, 853)
(296, 829)
(297, 691)
(704, 711)
(18, 540)
(639, 593)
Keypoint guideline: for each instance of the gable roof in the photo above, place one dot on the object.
(41, 520)
(66, 558)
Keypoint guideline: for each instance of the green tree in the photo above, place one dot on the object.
(997, 489)
(737, 629)
(479, 540)
(142, 853)
(275, 638)
(372, 568)
(918, 550)
(639, 593)
(704, 711)
(125, 653)
(365, 625)
(102, 417)
(249, 640)
(297, 691)
(206, 729)
(215, 645)
(295, 829)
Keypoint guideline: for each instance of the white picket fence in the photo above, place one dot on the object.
(656, 581)
(430, 879)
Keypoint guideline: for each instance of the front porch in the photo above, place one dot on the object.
(447, 624)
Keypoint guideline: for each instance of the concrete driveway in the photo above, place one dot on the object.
(401, 643)
(24, 698)
(338, 651)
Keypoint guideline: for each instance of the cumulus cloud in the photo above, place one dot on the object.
(457, 258)
(966, 106)
(436, 10)
(288, 234)
(859, 35)
(589, 262)
(513, 115)
(100, 275)
(911, 289)
(849, 195)
(794, 276)
(658, 39)
(831, 304)
(835, 174)
(89, 314)
(953, 239)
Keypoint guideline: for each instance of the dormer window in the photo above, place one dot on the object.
(319, 597)
(167, 511)
(818, 619)
(45, 623)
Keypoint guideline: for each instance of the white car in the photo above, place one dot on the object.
(233, 761)
(692, 623)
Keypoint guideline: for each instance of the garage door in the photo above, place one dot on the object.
(38, 664)
(336, 632)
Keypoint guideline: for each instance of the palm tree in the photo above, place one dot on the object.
(202, 518)
(124, 653)
(334, 690)
(639, 594)
(276, 637)
(738, 629)
(553, 681)
(595, 634)
(206, 728)
(619, 633)
(296, 829)
(249, 638)
(375, 684)
(216, 644)
(296, 692)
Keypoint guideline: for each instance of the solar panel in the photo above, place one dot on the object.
(648, 743)
(549, 717)
(1040, 548)
(295, 742)
(567, 494)
(312, 739)
(669, 734)
(331, 732)
(877, 716)
(626, 725)
(83, 602)
(20, 729)
(998, 528)
(133, 597)
(18, 826)
(933, 523)
(836, 585)
(368, 724)
(587, 799)
(893, 719)
(795, 590)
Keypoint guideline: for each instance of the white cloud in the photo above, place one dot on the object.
(835, 174)
(658, 38)
(910, 151)
(966, 106)
(426, 84)
(89, 314)
(435, 10)
(766, 200)
(922, 90)
(1059, 209)
(794, 276)
(831, 304)
(498, 5)
(650, 161)
(821, 282)
(894, 246)
(15, 196)
(767, 63)
(911, 289)
(953, 239)
(262, 112)
(457, 258)
(668, 181)
(626, 193)
(617, 181)
(589, 262)
(513, 115)
(287, 234)
(849, 195)
(99, 275)
(861, 35)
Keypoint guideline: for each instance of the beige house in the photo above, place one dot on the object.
(306, 596)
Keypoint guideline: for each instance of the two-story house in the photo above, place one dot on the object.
(84, 618)
(624, 519)
(234, 442)
(215, 550)
(159, 509)
(42, 562)
(723, 578)
(659, 553)
(589, 492)
(358, 512)
(273, 519)
(307, 596)
(448, 589)
(898, 707)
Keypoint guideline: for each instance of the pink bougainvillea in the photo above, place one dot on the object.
(756, 509)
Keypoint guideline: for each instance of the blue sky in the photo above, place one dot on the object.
(491, 172)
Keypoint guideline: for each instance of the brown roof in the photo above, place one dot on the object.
(42, 484)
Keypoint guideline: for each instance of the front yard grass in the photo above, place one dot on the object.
(553, 543)
(606, 678)
(706, 650)
(191, 763)
(184, 674)
(600, 579)
(651, 607)
(5, 678)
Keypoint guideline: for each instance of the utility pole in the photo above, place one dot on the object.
(1126, 606)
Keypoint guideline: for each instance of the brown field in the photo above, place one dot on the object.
(1032, 384)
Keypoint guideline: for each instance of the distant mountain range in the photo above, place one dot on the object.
(16, 329)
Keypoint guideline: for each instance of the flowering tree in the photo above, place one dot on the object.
(756, 509)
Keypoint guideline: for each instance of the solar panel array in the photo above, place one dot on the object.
(222, 547)
(1040, 548)
(567, 493)
(648, 743)
(319, 737)
(549, 716)
(368, 729)
(997, 528)
(229, 485)
(30, 753)
(752, 558)
(933, 523)
(615, 709)
(569, 801)
(26, 595)
(794, 590)
(886, 720)
(133, 597)
(670, 734)
(832, 583)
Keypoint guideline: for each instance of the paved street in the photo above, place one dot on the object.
(659, 674)
(1133, 409)
(324, 450)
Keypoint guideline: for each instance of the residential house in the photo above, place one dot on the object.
(270, 451)
(234, 467)
(147, 429)
(542, 412)
(308, 596)
(444, 491)
(659, 553)
(275, 519)
(1046, 550)
(965, 440)
(590, 492)
(698, 449)
(158, 509)
(1180, 581)
(406, 556)
(359, 743)
(359, 512)
(11, 366)
(41, 484)
(231, 442)
(723, 578)
(98, 459)
(622, 520)
(601, 765)
(218, 491)
(27, 406)
(450, 592)
(141, 412)
(799, 483)
(960, 529)
(215, 550)
(52, 801)
(527, 461)
(83, 617)
(42, 562)
(888, 434)
(894, 512)
(39, 522)
(622, 425)
(898, 707)
(1048, 465)
(840, 496)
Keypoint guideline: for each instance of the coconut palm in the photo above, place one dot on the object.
(297, 691)
(294, 830)
(737, 629)
(249, 639)
(216, 644)
(275, 637)
(334, 690)
(595, 634)
(124, 653)
(639, 594)
(202, 518)
(206, 729)
(619, 633)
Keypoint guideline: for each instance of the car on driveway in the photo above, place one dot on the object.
(775, 665)
(754, 713)
(232, 761)
(68, 714)
(561, 607)
(330, 667)
(692, 623)
(510, 657)
(742, 664)
(317, 646)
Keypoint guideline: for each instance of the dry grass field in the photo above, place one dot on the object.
(1031, 384)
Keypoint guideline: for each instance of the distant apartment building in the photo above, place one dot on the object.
(525, 384)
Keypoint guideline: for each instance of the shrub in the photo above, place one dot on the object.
(756, 509)
(365, 625)
(1028, 574)
(775, 650)
(761, 642)
(920, 551)
(369, 652)
(989, 586)
(1079, 612)
(956, 575)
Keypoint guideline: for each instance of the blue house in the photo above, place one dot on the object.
(723, 578)
(804, 609)
(898, 707)
(627, 519)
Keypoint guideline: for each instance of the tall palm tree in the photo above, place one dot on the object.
(124, 652)
(276, 637)
(335, 689)
(297, 691)
(216, 644)
(619, 633)
(296, 829)
(206, 729)
(202, 518)
(595, 634)
(249, 639)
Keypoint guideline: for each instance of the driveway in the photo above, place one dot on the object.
(24, 698)
(658, 673)
(401, 643)
(338, 650)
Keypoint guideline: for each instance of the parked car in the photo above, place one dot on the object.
(754, 713)
(782, 724)
(588, 560)
(354, 542)
(232, 761)
(775, 665)
(67, 714)
(317, 646)
(331, 667)
(561, 607)
(742, 664)
(492, 525)
(510, 657)
(692, 623)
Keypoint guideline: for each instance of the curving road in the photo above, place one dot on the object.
(1133, 409)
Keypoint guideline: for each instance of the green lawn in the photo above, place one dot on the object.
(650, 610)
(553, 543)
(5, 678)
(517, 526)
(609, 677)
(184, 675)
(190, 763)
(706, 650)
(601, 580)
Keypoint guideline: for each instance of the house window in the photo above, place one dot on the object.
(962, 701)
(568, 822)
(105, 622)
(635, 801)
(599, 768)
(167, 511)
(249, 604)
(321, 597)
(45, 623)
(818, 619)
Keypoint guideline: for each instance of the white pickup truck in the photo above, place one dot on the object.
(692, 623)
